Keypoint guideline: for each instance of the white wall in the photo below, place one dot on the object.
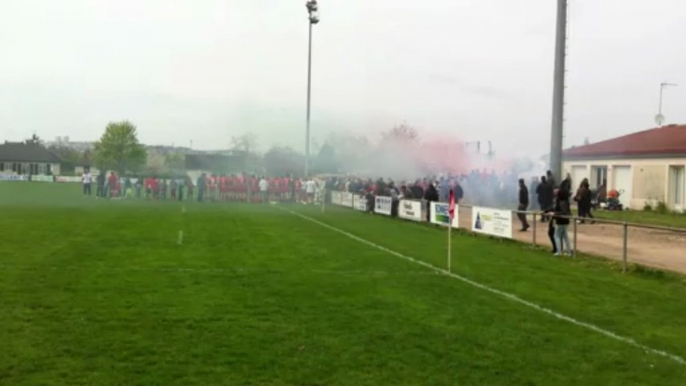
(650, 177)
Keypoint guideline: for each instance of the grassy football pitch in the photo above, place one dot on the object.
(99, 292)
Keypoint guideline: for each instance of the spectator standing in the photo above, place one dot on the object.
(112, 184)
(563, 213)
(201, 187)
(310, 188)
(139, 186)
(523, 205)
(545, 193)
(181, 184)
(583, 199)
(264, 189)
(380, 187)
(430, 196)
(100, 180)
(173, 186)
(444, 189)
(87, 180)
(127, 187)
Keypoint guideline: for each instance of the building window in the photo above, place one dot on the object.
(2, 166)
(48, 169)
(676, 186)
(598, 176)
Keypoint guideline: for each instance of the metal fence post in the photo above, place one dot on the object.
(575, 233)
(534, 230)
(626, 241)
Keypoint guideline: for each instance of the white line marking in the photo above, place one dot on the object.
(219, 270)
(183, 209)
(180, 242)
(492, 290)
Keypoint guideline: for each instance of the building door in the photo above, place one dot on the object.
(623, 183)
(676, 187)
(578, 174)
(598, 176)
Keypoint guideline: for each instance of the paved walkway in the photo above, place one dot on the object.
(660, 249)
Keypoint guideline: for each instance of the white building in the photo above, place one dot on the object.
(648, 166)
(28, 158)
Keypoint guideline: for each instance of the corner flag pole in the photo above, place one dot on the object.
(451, 216)
(449, 242)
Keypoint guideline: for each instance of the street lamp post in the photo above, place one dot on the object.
(659, 118)
(313, 11)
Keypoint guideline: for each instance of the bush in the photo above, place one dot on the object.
(662, 207)
(647, 207)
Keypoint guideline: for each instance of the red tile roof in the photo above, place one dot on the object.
(666, 140)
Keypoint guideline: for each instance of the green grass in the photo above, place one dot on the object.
(674, 220)
(97, 292)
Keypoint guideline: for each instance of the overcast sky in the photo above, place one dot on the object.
(204, 70)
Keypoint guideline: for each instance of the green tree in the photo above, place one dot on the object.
(119, 149)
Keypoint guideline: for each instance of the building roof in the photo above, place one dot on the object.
(26, 152)
(660, 142)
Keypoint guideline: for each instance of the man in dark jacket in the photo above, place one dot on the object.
(545, 197)
(430, 196)
(523, 205)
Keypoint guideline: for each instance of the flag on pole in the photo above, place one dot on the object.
(451, 216)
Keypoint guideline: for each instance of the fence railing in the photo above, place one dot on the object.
(645, 244)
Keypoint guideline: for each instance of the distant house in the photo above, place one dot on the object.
(28, 158)
(649, 166)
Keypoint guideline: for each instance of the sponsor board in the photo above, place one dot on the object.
(347, 199)
(383, 205)
(440, 214)
(360, 203)
(336, 198)
(494, 222)
(39, 178)
(410, 210)
(68, 179)
(12, 177)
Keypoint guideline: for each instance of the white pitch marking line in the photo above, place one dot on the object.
(180, 242)
(223, 270)
(507, 295)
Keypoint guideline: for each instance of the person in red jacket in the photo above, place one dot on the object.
(112, 183)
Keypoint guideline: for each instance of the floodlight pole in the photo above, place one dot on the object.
(313, 11)
(556, 132)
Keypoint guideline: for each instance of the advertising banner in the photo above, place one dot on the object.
(12, 177)
(39, 178)
(410, 210)
(383, 205)
(336, 198)
(440, 214)
(494, 222)
(69, 179)
(347, 199)
(360, 203)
